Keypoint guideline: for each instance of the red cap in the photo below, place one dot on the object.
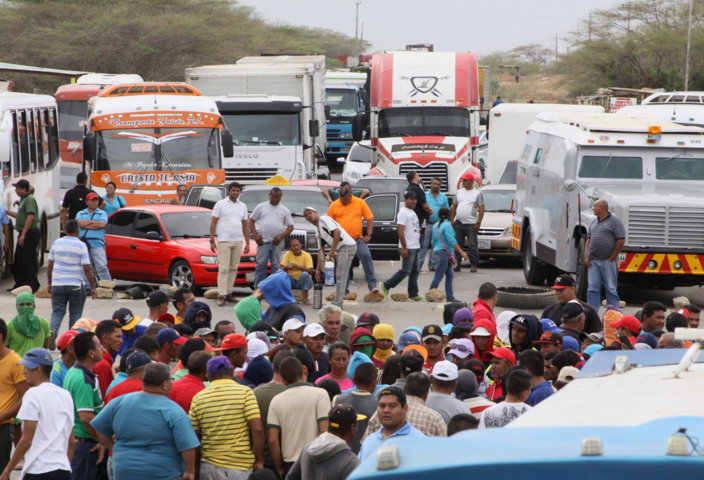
(166, 318)
(505, 353)
(683, 311)
(233, 340)
(468, 176)
(92, 195)
(629, 322)
(66, 339)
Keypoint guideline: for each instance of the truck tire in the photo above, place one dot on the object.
(534, 270)
(524, 298)
(581, 274)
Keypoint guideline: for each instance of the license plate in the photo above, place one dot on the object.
(249, 277)
(621, 257)
(484, 244)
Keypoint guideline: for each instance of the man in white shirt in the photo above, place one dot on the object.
(518, 385)
(409, 243)
(342, 250)
(47, 423)
(231, 232)
(466, 215)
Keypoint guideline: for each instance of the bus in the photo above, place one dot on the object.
(29, 149)
(149, 137)
(72, 100)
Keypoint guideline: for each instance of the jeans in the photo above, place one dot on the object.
(25, 267)
(409, 268)
(53, 475)
(7, 431)
(212, 472)
(443, 267)
(83, 465)
(100, 263)
(365, 258)
(425, 247)
(304, 282)
(466, 230)
(75, 296)
(228, 260)
(606, 272)
(267, 252)
(343, 262)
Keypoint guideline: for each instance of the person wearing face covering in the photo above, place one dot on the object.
(27, 331)
(363, 341)
(384, 334)
(467, 390)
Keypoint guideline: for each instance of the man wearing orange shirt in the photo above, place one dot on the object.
(350, 212)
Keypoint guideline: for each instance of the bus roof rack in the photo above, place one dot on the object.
(150, 88)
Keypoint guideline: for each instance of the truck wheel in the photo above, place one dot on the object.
(581, 275)
(524, 298)
(534, 270)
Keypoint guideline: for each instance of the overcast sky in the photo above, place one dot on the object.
(451, 25)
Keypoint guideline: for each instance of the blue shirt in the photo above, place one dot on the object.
(373, 441)
(448, 236)
(95, 238)
(151, 432)
(111, 207)
(436, 203)
(58, 373)
(539, 393)
(121, 377)
(4, 219)
(128, 340)
(69, 255)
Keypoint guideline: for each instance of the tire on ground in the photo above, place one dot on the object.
(524, 298)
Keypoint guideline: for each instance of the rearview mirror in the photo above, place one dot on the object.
(228, 149)
(88, 148)
(357, 128)
(153, 236)
(570, 185)
(313, 128)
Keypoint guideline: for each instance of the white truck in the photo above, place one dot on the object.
(275, 109)
(651, 173)
(686, 108)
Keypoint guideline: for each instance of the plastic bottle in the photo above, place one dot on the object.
(329, 273)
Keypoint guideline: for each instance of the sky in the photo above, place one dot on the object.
(451, 25)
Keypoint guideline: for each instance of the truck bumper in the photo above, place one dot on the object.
(661, 263)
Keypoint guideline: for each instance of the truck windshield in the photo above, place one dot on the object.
(498, 200)
(254, 128)
(417, 121)
(342, 102)
(71, 113)
(678, 168)
(134, 150)
(611, 166)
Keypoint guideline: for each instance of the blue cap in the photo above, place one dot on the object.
(137, 359)
(592, 349)
(570, 344)
(36, 357)
(447, 329)
(169, 335)
(407, 339)
(549, 325)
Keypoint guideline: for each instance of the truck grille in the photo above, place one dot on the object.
(491, 232)
(248, 174)
(426, 172)
(672, 227)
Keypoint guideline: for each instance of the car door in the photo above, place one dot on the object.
(384, 242)
(150, 257)
(118, 237)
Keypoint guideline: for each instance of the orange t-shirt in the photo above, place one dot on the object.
(350, 216)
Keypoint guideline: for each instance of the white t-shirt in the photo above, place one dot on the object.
(52, 408)
(501, 414)
(411, 232)
(230, 215)
(326, 225)
(468, 203)
(145, 322)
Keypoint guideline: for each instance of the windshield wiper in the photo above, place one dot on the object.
(185, 235)
(606, 165)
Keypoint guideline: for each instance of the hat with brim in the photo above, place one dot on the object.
(37, 357)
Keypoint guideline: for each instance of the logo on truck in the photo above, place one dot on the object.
(424, 85)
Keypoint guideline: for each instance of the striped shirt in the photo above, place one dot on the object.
(423, 418)
(603, 235)
(69, 254)
(221, 413)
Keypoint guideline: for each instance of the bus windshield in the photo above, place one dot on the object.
(255, 128)
(71, 113)
(417, 121)
(158, 149)
(342, 102)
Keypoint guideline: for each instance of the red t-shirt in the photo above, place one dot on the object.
(183, 391)
(103, 369)
(124, 387)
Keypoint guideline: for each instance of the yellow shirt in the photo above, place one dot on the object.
(10, 375)
(304, 260)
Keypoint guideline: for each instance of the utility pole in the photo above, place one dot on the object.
(590, 26)
(356, 29)
(689, 37)
(556, 48)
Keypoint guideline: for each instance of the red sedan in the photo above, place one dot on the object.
(168, 244)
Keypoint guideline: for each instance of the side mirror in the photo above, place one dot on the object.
(313, 128)
(153, 236)
(357, 128)
(88, 148)
(228, 149)
(570, 185)
(327, 111)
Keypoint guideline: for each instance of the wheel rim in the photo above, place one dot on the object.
(182, 276)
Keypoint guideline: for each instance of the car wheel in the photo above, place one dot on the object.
(181, 275)
(533, 269)
(525, 298)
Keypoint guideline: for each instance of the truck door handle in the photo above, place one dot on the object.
(133, 247)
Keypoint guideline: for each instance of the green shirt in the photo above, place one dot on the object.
(28, 205)
(21, 344)
(83, 387)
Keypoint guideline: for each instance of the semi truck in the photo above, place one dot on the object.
(651, 173)
(425, 115)
(275, 109)
(346, 102)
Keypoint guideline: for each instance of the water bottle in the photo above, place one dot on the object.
(329, 273)
(318, 296)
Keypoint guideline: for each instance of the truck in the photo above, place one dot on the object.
(425, 115)
(275, 109)
(650, 172)
(346, 102)
(686, 108)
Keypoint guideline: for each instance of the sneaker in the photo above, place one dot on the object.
(417, 298)
(52, 340)
(221, 301)
(473, 268)
(384, 290)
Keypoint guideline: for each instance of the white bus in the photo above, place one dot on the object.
(29, 149)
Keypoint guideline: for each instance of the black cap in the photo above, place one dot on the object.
(157, 297)
(432, 331)
(343, 415)
(368, 318)
(409, 194)
(562, 281)
(411, 361)
(22, 184)
(123, 316)
(395, 391)
(571, 310)
(262, 326)
(520, 322)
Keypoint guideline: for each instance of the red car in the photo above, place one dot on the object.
(168, 244)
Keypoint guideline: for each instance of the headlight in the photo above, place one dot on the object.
(356, 175)
(209, 260)
(345, 134)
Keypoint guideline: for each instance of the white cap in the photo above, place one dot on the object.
(313, 330)
(292, 324)
(256, 347)
(445, 370)
(481, 332)
(309, 208)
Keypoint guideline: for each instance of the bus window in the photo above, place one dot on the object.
(32, 137)
(52, 138)
(41, 139)
(24, 143)
(15, 144)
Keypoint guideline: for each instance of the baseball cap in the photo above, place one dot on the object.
(169, 335)
(201, 332)
(21, 183)
(552, 338)
(683, 311)
(411, 361)
(395, 391)
(549, 325)
(292, 324)
(137, 359)
(367, 318)
(504, 353)
(125, 318)
(462, 348)
(563, 281)
(597, 338)
(36, 357)
(166, 318)
(407, 339)
(409, 194)
(217, 365)
(445, 370)
(344, 415)
(417, 348)
(92, 195)
(570, 343)
(480, 332)
(629, 322)
(309, 208)
(467, 176)
(231, 341)
(262, 326)
(463, 316)
(66, 339)
(432, 331)
(648, 339)
(567, 374)
(520, 322)
(571, 310)
(313, 330)
(157, 297)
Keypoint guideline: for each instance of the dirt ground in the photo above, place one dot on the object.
(539, 88)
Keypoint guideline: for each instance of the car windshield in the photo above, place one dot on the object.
(498, 200)
(294, 200)
(256, 128)
(342, 102)
(611, 166)
(186, 224)
(71, 113)
(361, 154)
(382, 185)
(679, 168)
(416, 121)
